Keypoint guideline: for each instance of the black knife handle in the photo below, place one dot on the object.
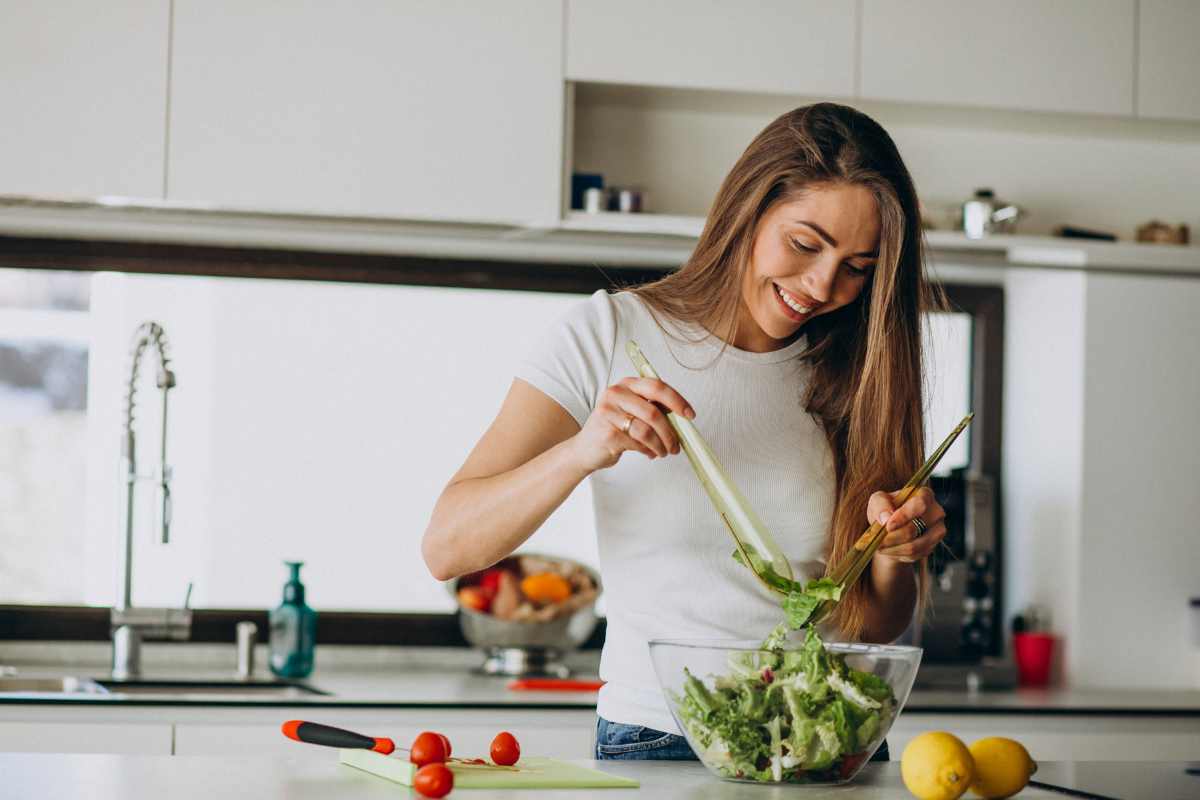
(329, 736)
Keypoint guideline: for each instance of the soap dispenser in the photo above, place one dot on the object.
(293, 626)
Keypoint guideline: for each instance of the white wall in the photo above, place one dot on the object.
(1043, 443)
(1091, 171)
(311, 421)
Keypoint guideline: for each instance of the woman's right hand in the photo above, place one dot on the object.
(629, 416)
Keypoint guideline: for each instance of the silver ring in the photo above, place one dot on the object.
(628, 422)
(921, 527)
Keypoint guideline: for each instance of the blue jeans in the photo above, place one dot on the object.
(616, 740)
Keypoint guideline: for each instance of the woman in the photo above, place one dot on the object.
(792, 337)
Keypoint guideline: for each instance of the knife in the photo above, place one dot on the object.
(329, 736)
(1073, 792)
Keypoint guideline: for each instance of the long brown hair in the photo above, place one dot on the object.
(866, 378)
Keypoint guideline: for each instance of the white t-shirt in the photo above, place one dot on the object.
(665, 554)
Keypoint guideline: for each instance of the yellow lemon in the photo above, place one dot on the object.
(937, 766)
(1002, 767)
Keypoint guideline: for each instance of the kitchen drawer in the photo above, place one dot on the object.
(130, 738)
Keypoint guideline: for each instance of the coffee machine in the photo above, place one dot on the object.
(961, 630)
(962, 622)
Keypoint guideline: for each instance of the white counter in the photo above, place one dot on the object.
(317, 776)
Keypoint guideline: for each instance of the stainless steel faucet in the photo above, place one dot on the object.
(130, 625)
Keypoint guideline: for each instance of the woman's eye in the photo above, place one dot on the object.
(857, 271)
(802, 247)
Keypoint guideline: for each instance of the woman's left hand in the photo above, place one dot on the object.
(903, 541)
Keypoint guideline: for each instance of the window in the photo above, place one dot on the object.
(43, 426)
(948, 343)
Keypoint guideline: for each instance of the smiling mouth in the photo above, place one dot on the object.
(792, 302)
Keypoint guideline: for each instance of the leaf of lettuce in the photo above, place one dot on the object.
(842, 716)
(871, 685)
(799, 606)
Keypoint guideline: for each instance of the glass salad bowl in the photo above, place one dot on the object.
(810, 713)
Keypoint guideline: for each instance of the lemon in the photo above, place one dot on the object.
(937, 766)
(1002, 767)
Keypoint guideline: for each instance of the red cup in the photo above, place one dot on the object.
(1034, 653)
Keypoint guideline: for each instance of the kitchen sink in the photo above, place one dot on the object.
(68, 685)
(150, 688)
(178, 688)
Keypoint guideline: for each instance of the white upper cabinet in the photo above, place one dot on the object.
(1169, 59)
(423, 110)
(83, 86)
(1065, 55)
(789, 46)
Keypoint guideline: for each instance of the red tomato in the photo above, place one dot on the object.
(434, 780)
(445, 742)
(428, 748)
(490, 580)
(505, 749)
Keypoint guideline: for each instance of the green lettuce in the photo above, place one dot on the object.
(801, 604)
(785, 713)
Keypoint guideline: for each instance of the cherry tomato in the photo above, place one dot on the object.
(505, 749)
(434, 780)
(428, 748)
(445, 742)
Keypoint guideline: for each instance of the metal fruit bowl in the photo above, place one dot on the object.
(528, 648)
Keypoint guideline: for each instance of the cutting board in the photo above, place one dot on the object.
(529, 773)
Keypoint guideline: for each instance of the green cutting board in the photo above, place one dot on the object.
(529, 773)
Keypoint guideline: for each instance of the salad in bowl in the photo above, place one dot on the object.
(776, 712)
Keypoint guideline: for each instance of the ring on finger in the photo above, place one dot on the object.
(920, 526)
(628, 422)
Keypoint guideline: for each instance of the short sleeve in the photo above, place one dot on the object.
(572, 361)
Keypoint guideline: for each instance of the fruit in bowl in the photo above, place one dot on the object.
(528, 588)
(770, 712)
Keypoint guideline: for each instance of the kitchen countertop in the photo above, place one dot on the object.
(445, 678)
(319, 776)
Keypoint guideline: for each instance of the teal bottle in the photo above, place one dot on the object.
(293, 630)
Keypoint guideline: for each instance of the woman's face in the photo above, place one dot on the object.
(812, 255)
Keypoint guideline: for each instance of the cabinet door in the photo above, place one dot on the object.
(83, 86)
(86, 737)
(792, 46)
(1068, 55)
(446, 110)
(1168, 59)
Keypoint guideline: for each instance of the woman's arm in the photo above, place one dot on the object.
(528, 462)
(892, 586)
(520, 471)
(892, 582)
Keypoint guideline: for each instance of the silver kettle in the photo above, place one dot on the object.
(983, 214)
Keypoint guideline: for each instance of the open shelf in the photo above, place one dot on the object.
(1049, 251)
